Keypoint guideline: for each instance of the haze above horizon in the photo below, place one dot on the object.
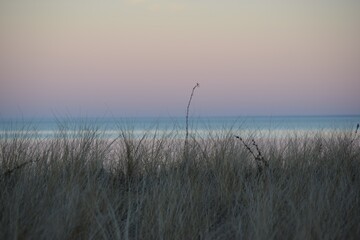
(142, 57)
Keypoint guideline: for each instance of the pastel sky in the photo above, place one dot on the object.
(142, 57)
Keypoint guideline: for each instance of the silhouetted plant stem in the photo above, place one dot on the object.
(187, 119)
(356, 131)
(259, 158)
(9, 171)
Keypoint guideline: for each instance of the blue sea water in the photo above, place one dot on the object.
(110, 127)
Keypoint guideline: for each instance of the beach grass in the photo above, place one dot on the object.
(226, 186)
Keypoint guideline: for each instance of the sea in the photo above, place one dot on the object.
(202, 127)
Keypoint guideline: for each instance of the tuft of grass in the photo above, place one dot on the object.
(79, 185)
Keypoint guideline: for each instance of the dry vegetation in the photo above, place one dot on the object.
(90, 188)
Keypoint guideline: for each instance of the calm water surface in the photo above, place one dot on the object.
(198, 126)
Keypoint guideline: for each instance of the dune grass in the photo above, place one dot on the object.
(87, 187)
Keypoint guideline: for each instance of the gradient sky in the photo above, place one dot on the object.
(142, 57)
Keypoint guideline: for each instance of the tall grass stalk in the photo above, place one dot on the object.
(186, 147)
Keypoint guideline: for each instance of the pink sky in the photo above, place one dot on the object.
(142, 57)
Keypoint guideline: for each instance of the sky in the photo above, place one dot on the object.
(142, 57)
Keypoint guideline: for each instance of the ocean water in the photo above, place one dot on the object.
(111, 127)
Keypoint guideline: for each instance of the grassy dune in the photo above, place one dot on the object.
(155, 188)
